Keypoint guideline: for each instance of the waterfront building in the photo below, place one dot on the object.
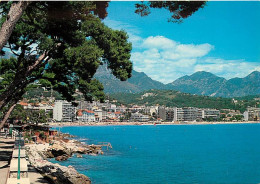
(98, 115)
(253, 114)
(167, 113)
(86, 116)
(210, 113)
(245, 115)
(176, 114)
(139, 117)
(64, 111)
(187, 114)
(171, 114)
(162, 113)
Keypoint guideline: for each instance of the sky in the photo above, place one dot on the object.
(222, 38)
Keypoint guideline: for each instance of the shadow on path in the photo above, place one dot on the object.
(3, 142)
(6, 151)
(5, 155)
(36, 177)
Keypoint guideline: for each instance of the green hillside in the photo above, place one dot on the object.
(171, 98)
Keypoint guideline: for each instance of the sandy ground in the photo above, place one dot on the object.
(61, 124)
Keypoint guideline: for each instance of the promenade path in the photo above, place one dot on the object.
(6, 151)
(35, 176)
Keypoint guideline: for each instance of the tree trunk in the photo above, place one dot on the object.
(7, 114)
(8, 94)
(12, 103)
(13, 16)
(20, 81)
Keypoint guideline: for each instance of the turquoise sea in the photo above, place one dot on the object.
(171, 154)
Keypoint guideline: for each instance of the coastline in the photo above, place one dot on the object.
(86, 179)
(68, 124)
(62, 148)
(182, 131)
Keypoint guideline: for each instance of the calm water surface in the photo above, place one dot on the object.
(171, 154)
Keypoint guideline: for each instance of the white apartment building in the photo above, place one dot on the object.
(64, 111)
(136, 108)
(139, 117)
(186, 114)
(210, 113)
(245, 114)
(252, 114)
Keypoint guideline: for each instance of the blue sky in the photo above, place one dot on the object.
(222, 38)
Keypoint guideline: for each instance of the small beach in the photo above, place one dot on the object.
(65, 124)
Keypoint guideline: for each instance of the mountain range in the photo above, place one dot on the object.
(200, 83)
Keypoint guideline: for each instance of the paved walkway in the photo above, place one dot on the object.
(6, 150)
(35, 176)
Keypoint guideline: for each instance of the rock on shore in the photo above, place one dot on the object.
(61, 148)
(57, 173)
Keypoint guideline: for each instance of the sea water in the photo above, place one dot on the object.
(171, 154)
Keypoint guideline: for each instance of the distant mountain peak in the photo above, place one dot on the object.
(200, 83)
(206, 83)
(203, 74)
(137, 83)
(254, 73)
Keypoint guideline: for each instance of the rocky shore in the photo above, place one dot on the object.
(60, 150)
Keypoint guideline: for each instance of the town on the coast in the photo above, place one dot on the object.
(109, 113)
(33, 125)
(103, 64)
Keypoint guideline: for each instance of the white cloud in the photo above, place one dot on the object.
(166, 60)
(171, 49)
(159, 42)
(191, 50)
(227, 68)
